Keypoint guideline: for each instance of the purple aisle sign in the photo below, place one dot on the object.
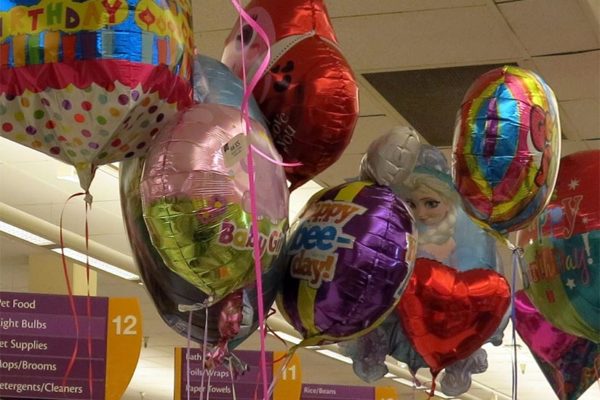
(336, 392)
(37, 339)
(247, 386)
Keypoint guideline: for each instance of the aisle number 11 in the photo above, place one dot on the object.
(386, 393)
(289, 384)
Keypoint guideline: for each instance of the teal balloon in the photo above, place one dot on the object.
(214, 83)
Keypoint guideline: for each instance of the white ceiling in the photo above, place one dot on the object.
(559, 39)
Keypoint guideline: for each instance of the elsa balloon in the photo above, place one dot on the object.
(446, 233)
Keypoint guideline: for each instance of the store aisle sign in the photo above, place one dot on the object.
(339, 392)
(218, 381)
(38, 336)
(219, 384)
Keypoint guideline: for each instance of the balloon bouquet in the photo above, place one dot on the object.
(454, 256)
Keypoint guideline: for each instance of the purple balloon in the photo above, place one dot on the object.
(570, 363)
(349, 257)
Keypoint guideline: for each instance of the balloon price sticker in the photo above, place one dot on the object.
(235, 150)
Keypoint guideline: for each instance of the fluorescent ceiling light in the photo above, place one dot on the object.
(24, 235)
(286, 337)
(94, 262)
(334, 355)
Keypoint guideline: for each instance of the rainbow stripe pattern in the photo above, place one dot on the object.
(506, 147)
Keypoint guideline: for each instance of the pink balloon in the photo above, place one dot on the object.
(542, 338)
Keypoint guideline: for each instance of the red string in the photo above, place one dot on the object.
(70, 292)
(88, 301)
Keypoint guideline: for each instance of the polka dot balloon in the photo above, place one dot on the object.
(98, 92)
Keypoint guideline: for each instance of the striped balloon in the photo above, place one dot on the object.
(349, 257)
(506, 147)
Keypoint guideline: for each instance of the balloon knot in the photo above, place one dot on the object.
(88, 198)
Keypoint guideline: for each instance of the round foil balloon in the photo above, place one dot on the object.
(168, 290)
(570, 363)
(349, 256)
(391, 158)
(506, 147)
(309, 94)
(197, 210)
(562, 250)
(90, 82)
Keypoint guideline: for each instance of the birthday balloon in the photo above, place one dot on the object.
(168, 290)
(562, 250)
(447, 314)
(309, 94)
(198, 210)
(215, 83)
(506, 147)
(349, 256)
(570, 363)
(90, 82)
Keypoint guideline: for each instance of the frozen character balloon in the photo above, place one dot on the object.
(446, 233)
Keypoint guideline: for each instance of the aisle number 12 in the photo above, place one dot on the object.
(125, 325)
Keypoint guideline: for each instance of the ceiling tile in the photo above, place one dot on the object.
(343, 169)
(571, 76)
(584, 114)
(424, 39)
(367, 130)
(211, 43)
(345, 8)
(213, 15)
(550, 26)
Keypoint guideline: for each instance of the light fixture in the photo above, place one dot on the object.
(94, 262)
(39, 232)
(334, 355)
(24, 235)
(286, 337)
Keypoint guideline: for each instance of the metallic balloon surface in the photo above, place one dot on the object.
(447, 314)
(368, 352)
(570, 363)
(168, 290)
(309, 94)
(446, 233)
(562, 250)
(458, 377)
(391, 157)
(506, 147)
(197, 210)
(90, 82)
(349, 256)
(215, 83)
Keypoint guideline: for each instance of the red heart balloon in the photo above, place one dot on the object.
(448, 314)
